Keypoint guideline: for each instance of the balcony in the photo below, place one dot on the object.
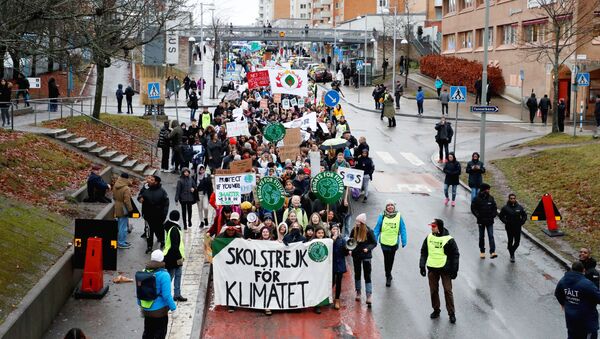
(325, 14)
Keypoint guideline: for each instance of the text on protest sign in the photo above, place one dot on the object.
(258, 79)
(270, 275)
(306, 121)
(228, 190)
(351, 177)
(285, 103)
(237, 128)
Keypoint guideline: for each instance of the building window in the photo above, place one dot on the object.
(508, 34)
(302, 16)
(449, 6)
(337, 5)
(383, 3)
(302, 6)
(534, 31)
(565, 24)
(450, 42)
(464, 4)
(466, 39)
(479, 36)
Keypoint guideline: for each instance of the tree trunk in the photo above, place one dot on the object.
(98, 94)
(555, 98)
(14, 55)
(2, 53)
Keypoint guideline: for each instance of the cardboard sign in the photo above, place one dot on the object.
(277, 98)
(264, 104)
(324, 127)
(285, 103)
(293, 137)
(288, 152)
(241, 166)
(258, 79)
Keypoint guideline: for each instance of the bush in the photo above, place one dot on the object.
(461, 72)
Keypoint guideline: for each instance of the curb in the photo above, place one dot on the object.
(202, 307)
(543, 246)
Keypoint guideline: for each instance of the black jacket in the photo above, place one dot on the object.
(129, 93)
(579, 297)
(369, 244)
(163, 138)
(365, 164)
(156, 203)
(532, 104)
(545, 104)
(475, 175)
(513, 215)
(452, 170)
(450, 250)
(204, 185)
(591, 272)
(293, 236)
(173, 255)
(444, 132)
(484, 209)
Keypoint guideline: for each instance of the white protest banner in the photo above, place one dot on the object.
(238, 114)
(308, 120)
(285, 103)
(289, 81)
(352, 177)
(248, 181)
(324, 127)
(315, 163)
(293, 102)
(300, 102)
(228, 190)
(237, 128)
(244, 105)
(271, 275)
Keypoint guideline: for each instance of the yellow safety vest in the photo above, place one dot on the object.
(390, 228)
(168, 243)
(436, 257)
(205, 120)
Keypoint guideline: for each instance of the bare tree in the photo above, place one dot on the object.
(571, 25)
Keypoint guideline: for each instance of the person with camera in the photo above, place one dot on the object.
(390, 231)
(439, 253)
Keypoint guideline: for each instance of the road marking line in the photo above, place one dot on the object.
(387, 158)
(413, 159)
(413, 188)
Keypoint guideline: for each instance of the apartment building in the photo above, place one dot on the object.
(333, 12)
(515, 26)
(300, 9)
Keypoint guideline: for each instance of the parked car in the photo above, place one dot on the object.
(321, 74)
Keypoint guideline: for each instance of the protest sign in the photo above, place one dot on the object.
(277, 98)
(237, 128)
(274, 132)
(306, 121)
(258, 79)
(264, 104)
(257, 96)
(248, 182)
(285, 103)
(270, 193)
(328, 186)
(293, 137)
(244, 105)
(241, 166)
(300, 103)
(324, 127)
(288, 152)
(315, 163)
(289, 81)
(293, 102)
(228, 189)
(351, 177)
(271, 275)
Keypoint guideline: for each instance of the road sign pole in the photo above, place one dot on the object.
(574, 114)
(484, 79)
(176, 107)
(455, 128)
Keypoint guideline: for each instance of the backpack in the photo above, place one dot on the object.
(145, 282)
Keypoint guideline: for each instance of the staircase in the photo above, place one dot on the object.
(102, 152)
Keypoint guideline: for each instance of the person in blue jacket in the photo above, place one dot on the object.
(420, 99)
(579, 297)
(339, 262)
(156, 312)
(389, 232)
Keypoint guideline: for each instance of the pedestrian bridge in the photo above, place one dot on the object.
(252, 33)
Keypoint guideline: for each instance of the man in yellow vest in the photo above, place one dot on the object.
(440, 254)
(174, 252)
(205, 118)
(390, 231)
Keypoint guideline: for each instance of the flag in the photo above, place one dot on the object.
(289, 81)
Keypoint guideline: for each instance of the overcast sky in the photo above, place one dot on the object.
(239, 12)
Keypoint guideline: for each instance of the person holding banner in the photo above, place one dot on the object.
(390, 231)
(294, 235)
(362, 255)
(297, 208)
(281, 229)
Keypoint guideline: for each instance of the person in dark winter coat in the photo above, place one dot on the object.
(53, 94)
(129, 93)
(339, 262)
(589, 264)
(475, 169)
(294, 235)
(155, 207)
(532, 105)
(165, 146)
(561, 110)
(365, 163)
(485, 210)
(97, 187)
(5, 93)
(193, 104)
(119, 94)
(174, 253)
(176, 141)
(203, 191)
(452, 170)
(362, 255)
(478, 90)
(513, 216)
(443, 137)
(579, 298)
(439, 253)
(186, 85)
(214, 152)
(184, 194)
(544, 105)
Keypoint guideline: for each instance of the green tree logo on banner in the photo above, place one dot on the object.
(270, 193)
(274, 132)
(328, 186)
(317, 251)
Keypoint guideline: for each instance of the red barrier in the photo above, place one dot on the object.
(92, 283)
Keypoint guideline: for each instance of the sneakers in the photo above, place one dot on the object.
(452, 319)
(369, 301)
(365, 199)
(126, 245)
(336, 304)
(388, 281)
(453, 203)
(435, 314)
(446, 201)
(201, 224)
(512, 258)
(493, 255)
(180, 298)
(482, 255)
(357, 298)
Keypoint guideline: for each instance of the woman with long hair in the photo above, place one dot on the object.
(362, 255)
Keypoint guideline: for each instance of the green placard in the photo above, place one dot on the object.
(274, 132)
(328, 186)
(270, 193)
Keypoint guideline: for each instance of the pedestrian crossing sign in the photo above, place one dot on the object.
(583, 79)
(153, 90)
(359, 65)
(458, 94)
(231, 67)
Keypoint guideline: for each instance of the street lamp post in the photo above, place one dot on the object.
(405, 42)
(484, 75)
(394, 53)
(365, 63)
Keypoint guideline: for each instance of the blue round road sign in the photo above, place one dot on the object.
(332, 98)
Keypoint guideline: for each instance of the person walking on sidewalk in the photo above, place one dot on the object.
(186, 85)
(176, 141)
(438, 85)
(439, 253)
(5, 102)
(485, 210)
(192, 104)
(385, 66)
(398, 92)
(478, 89)
(156, 312)
(119, 95)
(164, 145)
(390, 231)
(452, 170)
(545, 105)
(597, 116)
(174, 253)
(475, 169)
(377, 92)
(203, 191)
(184, 194)
(513, 216)
(562, 110)
(123, 207)
(129, 93)
(155, 207)
(420, 99)
(362, 255)
(443, 138)
(388, 109)
(532, 105)
(53, 94)
(444, 100)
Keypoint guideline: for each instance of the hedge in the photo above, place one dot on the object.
(461, 72)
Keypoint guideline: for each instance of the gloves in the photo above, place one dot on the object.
(453, 275)
(423, 272)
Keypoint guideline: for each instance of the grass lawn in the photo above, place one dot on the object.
(570, 176)
(558, 139)
(32, 240)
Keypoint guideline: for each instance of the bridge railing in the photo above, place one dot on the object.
(260, 33)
